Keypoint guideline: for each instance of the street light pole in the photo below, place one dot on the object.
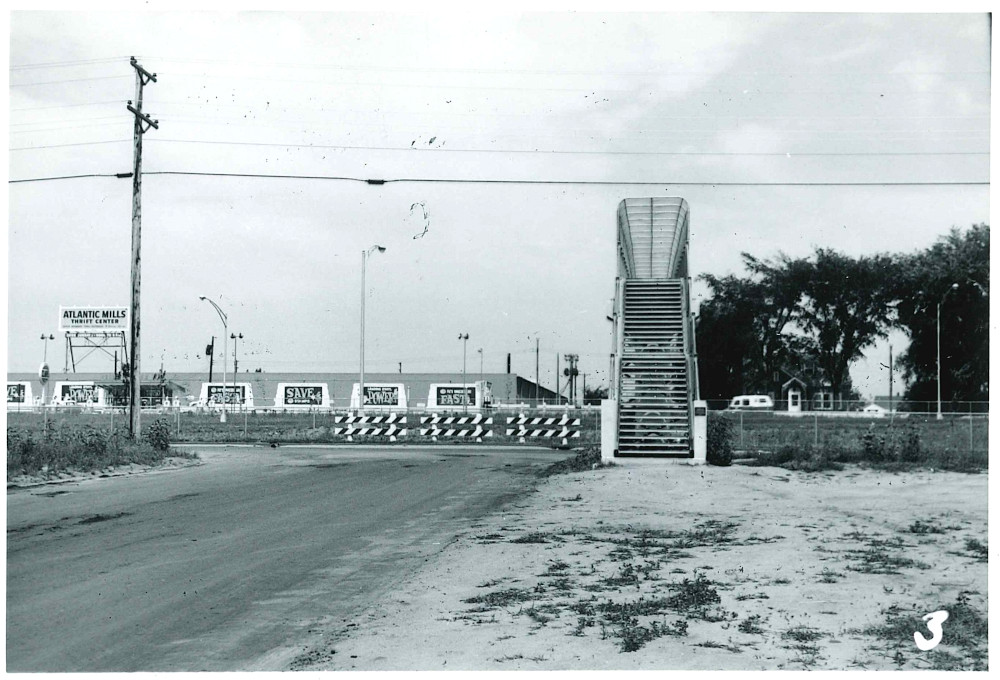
(236, 368)
(480, 350)
(953, 287)
(465, 392)
(235, 338)
(361, 383)
(225, 351)
(43, 376)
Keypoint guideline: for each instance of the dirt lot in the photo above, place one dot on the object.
(647, 565)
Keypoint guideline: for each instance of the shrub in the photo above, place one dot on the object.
(82, 449)
(157, 434)
(719, 440)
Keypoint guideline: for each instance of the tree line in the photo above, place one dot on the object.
(812, 317)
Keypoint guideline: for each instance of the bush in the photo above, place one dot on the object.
(719, 440)
(157, 435)
(82, 449)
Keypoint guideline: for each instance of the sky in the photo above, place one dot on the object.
(506, 142)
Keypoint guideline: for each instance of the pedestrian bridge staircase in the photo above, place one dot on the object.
(654, 364)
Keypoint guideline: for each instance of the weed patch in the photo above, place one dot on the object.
(502, 598)
(693, 595)
(979, 550)
(588, 459)
(963, 644)
(751, 625)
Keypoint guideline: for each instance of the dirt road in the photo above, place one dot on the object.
(240, 563)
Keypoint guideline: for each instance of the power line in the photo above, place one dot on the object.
(786, 154)
(478, 71)
(446, 180)
(579, 152)
(56, 146)
(59, 64)
(69, 80)
(119, 175)
(68, 106)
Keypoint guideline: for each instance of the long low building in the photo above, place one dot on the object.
(274, 390)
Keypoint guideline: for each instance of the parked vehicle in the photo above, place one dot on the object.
(752, 402)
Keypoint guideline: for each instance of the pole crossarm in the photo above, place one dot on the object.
(149, 121)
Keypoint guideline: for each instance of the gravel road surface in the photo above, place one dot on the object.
(238, 563)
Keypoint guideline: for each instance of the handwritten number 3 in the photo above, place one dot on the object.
(934, 621)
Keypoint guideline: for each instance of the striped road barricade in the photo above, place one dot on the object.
(475, 427)
(552, 427)
(392, 425)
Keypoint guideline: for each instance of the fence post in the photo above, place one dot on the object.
(815, 429)
(741, 431)
(244, 423)
(970, 427)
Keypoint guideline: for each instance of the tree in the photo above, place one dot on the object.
(594, 395)
(848, 304)
(742, 327)
(955, 269)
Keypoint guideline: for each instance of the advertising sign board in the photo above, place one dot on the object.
(93, 319)
(234, 394)
(303, 395)
(381, 395)
(451, 395)
(80, 393)
(16, 393)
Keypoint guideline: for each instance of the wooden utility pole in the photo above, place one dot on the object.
(142, 124)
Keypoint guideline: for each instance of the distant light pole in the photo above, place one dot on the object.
(361, 384)
(465, 393)
(225, 351)
(480, 350)
(235, 338)
(43, 373)
(953, 287)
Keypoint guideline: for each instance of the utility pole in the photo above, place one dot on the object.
(210, 351)
(142, 76)
(572, 372)
(558, 391)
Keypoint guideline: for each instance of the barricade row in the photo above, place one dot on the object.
(475, 427)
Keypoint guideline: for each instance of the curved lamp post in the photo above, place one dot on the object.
(225, 351)
(361, 384)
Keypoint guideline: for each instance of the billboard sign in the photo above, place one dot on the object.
(16, 393)
(78, 393)
(234, 394)
(381, 395)
(451, 395)
(93, 319)
(303, 395)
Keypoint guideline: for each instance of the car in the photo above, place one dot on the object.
(751, 402)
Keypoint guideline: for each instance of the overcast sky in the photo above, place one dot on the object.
(516, 136)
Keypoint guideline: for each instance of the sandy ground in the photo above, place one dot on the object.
(651, 565)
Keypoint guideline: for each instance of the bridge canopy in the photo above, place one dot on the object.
(652, 238)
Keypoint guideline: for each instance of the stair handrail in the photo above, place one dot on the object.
(686, 309)
(626, 259)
